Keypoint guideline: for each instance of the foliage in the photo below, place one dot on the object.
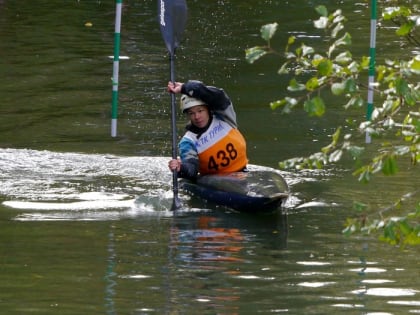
(319, 74)
(397, 230)
(406, 22)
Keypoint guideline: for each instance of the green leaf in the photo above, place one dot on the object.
(405, 29)
(295, 86)
(401, 86)
(322, 10)
(389, 233)
(350, 85)
(344, 40)
(354, 67)
(355, 151)
(380, 72)
(393, 12)
(291, 40)
(321, 23)
(335, 156)
(312, 84)
(348, 230)
(306, 50)
(338, 88)
(291, 101)
(365, 62)
(412, 97)
(359, 101)
(364, 176)
(325, 67)
(315, 106)
(277, 104)
(404, 227)
(287, 102)
(254, 53)
(284, 69)
(416, 124)
(336, 30)
(402, 150)
(336, 135)
(338, 16)
(414, 64)
(390, 166)
(344, 58)
(290, 55)
(359, 206)
(268, 30)
(331, 49)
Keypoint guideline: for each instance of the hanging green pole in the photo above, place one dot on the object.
(116, 67)
(372, 62)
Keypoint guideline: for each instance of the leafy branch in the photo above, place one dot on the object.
(320, 74)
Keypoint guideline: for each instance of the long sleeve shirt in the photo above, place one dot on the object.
(220, 107)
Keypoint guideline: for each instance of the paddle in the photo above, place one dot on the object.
(172, 20)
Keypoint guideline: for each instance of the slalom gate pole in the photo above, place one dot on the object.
(372, 62)
(116, 66)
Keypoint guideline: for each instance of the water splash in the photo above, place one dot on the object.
(82, 186)
(50, 185)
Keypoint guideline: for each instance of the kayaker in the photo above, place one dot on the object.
(212, 143)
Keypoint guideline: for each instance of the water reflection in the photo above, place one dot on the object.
(207, 243)
(386, 292)
(110, 281)
(213, 258)
(207, 262)
(214, 249)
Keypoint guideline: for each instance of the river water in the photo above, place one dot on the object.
(84, 217)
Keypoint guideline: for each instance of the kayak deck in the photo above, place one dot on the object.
(254, 191)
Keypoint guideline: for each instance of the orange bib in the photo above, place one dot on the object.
(221, 149)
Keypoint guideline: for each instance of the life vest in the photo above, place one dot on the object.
(221, 148)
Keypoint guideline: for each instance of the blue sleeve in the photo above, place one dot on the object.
(189, 159)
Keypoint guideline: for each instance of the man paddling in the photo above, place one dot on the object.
(212, 143)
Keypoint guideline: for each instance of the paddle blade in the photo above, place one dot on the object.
(172, 20)
(176, 203)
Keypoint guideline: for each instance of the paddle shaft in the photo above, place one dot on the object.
(173, 17)
(176, 202)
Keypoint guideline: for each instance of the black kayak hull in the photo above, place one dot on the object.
(256, 191)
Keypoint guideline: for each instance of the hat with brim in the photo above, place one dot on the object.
(188, 102)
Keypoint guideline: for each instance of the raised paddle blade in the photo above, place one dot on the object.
(172, 20)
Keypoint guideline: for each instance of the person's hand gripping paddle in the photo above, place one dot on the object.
(172, 20)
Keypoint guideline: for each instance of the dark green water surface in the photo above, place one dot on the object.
(85, 226)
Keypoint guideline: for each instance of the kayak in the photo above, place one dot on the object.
(255, 191)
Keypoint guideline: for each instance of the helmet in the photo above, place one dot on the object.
(188, 102)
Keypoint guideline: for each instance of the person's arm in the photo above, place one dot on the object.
(216, 99)
(186, 169)
(188, 164)
(189, 159)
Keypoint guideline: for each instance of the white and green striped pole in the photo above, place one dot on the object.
(372, 62)
(116, 66)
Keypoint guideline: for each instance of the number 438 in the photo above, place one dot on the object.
(222, 158)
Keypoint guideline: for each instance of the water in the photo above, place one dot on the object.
(86, 226)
